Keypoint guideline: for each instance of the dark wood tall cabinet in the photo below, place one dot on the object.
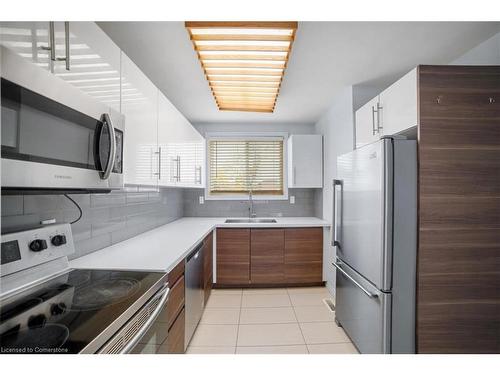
(458, 278)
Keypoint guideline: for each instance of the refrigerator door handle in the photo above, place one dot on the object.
(336, 234)
(337, 265)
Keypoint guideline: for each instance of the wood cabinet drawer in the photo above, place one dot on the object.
(175, 303)
(175, 340)
(176, 272)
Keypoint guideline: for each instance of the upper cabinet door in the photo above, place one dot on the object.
(367, 123)
(28, 39)
(181, 148)
(305, 161)
(141, 154)
(93, 60)
(399, 105)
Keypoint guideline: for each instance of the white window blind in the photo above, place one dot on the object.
(238, 166)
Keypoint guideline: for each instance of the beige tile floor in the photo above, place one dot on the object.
(269, 321)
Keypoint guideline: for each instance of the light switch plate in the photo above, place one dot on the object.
(201, 199)
(292, 199)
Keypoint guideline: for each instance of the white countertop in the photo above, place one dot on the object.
(162, 248)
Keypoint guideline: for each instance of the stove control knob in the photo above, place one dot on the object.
(58, 308)
(58, 240)
(38, 245)
(37, 321)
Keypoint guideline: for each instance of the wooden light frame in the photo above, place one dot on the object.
(244, 62)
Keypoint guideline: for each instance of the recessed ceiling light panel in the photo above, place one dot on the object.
(244, 62)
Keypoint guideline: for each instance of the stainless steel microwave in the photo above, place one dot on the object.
(54, 137)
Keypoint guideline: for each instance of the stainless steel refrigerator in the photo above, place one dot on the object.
(375, 236)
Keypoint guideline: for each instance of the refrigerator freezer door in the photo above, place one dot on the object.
(366, 211)
(363, 311)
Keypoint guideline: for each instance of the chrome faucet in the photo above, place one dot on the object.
(251, 211)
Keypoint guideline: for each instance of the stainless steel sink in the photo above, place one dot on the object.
(234, 221)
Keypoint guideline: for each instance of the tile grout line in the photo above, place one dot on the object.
(297, 319)
(238, 327)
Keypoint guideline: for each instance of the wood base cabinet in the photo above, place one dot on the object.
(233, 256)
(267, 247)
(304, 255)
(173, 314)
(175, 339)
(269, 256)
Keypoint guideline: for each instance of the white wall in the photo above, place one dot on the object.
(486, 53)
(337, 127)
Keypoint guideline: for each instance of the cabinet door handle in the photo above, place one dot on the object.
(66, 44)
(379, 126)
(178, 169)
(159, 163)
(294, 176)
(197, 175)
(374, 130)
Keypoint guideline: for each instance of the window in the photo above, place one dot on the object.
(238, 166)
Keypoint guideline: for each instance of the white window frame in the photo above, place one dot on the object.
(247, 137)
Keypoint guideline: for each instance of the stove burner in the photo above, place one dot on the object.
(48, 336)
(104, 293)
(79, 278)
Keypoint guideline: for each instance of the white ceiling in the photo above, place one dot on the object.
(326, 56)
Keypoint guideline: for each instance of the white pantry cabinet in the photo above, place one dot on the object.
(93, 64)
(305, 161)
(398, 105)
(141, 164)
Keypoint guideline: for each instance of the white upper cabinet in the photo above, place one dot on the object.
(399, 105)
(141, 164)
(161, 146)
(391, 112)
(92, 62)
(28, 39)
(368, 123)
(181, 148)
(305, 161)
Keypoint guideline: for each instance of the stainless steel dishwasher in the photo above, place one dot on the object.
(194, 291)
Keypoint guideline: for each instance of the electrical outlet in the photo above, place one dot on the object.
(201, 199)
(292, 199)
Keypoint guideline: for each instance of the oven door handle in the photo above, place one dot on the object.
(112, 146)
(165, 290)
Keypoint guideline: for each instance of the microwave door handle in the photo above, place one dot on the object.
(105, 118)
(335, 235)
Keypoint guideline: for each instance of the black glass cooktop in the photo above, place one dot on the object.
(67, 313)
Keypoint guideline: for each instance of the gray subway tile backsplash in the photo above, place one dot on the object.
(304, 205)
(107, 218)
(119, 215)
